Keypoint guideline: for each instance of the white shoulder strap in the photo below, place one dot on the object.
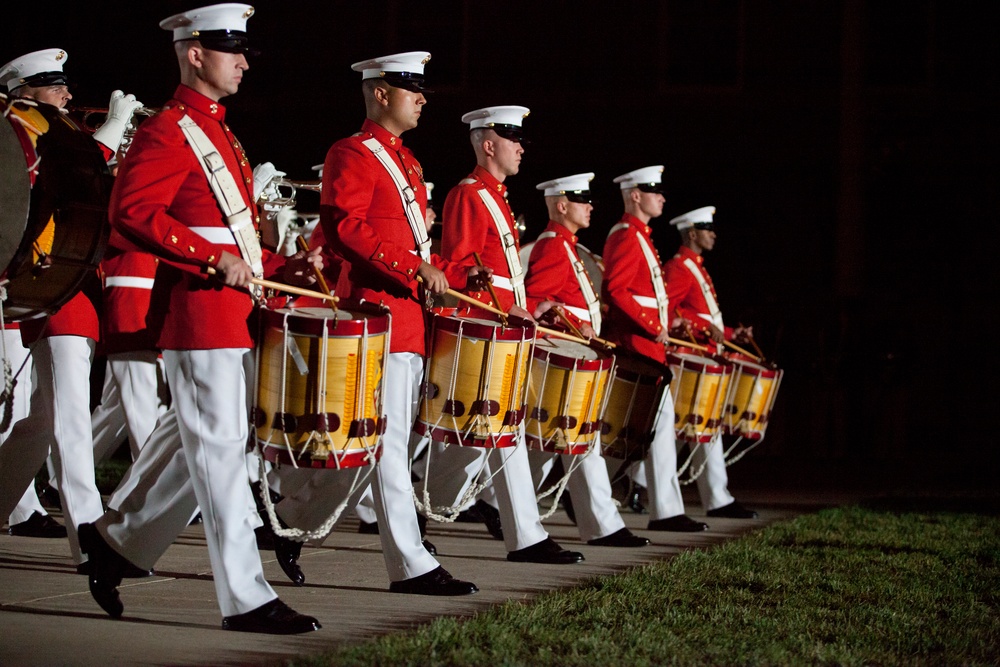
(714, 314)
(238, 215)
(509, 244)
(586, 288)
(655, 274)
(410, 204)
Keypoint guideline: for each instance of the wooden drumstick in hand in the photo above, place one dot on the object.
(320, 279)
(281, 287)
(489, 287)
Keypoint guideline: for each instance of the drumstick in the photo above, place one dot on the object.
(567, 322)
(304, 245)
(489, 286)
(752, 341)
(496, 311)
(281, 287)
(742, 351)
(684, 343)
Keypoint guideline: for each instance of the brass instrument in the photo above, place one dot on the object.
(88, 115)
(272, 202)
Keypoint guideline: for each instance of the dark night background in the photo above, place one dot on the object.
(851, 149)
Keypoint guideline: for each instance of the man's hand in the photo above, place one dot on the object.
(715, 334)
(587, 331)
(299, 268)
(479, 277)
(234, 271)
(662, 337)
(544, 307)
(120, 110)
(517, 311)
(743, 334)
(434, 279)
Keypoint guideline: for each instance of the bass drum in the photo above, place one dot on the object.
(54, 192)
(591, 261)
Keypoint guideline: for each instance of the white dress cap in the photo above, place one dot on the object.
(578, 184)
(699, 216)
(490, 116)
(645, 178)
(39, 68)
(226, 22)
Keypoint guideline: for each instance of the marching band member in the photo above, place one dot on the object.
(478, 219)
(639, 320)
(698, 304)
(555, 274)
(62, 346)
(169, 201)
(372, 216)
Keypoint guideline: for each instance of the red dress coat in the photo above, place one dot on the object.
(467, 227)
(550, 275)
(161, 192)
(366, 229)
(690, 300)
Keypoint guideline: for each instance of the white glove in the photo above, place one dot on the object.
(120, 110)
(264, 175)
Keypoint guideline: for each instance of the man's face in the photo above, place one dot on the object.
(578, 214)
(704, 238)
(404, 107)
(651, 203)
(222, 72)
(507, 154)
(58, 96)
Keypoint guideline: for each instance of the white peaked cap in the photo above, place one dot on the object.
(644, 176)
(560, 186)
(229, 16)
(698, 216)
(490, 116)
(20, 71)
(411, 62)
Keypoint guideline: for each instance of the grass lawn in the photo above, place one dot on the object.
(854, 586)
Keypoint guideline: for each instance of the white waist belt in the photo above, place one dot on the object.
(645, 301)
(502, 283)
(582, 313)
(128, 281)
(217, 235)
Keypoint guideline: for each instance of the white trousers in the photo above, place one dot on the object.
(195, 458)
(133, 398)
(17, 354)
(453, 469)
(312, 503)
(589, 487)
(60, 416)
(713, 483)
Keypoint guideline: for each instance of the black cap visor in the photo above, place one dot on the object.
(651, 187)
(406, 80)
(42, 79)
(510, 132)
(579, 196)
(705, 226)
(226, 41)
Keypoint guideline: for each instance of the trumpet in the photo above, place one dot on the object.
(88, 113)
(274, 198)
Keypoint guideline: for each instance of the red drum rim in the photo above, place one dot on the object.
(570, 449)
(353, 458)
(556, 358)
(516, 330)
(698, 363)
(312, 321)
(634, 368)
(750, 366)
(452, 437)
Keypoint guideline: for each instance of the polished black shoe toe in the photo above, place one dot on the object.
(38, 525)
(368, 527)
(732, 511)
(273, 618)
(635, 500)
(681, 523)
(547, 552)
(435, 582)
(287, 553)
(431, 549)
(106, 568)
(621, 538)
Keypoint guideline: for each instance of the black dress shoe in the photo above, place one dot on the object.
(621, 538)
(50, 498)
(567, 504)
(130, 572)
(38, 525)
(490, 517)
(681, 523)
(732, 511)
(287, 553)
(547, 551)
(273, 618)
(431, 549)
(635, 500)
(368, 527)
(436, 582)
(265, 537)
(106, 568)
(196, 520)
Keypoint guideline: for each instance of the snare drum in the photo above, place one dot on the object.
(754, 389)
(319, 398)
(476, 381)
(54, 192)
(699, 388)
(629, 422)
(566, 396)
